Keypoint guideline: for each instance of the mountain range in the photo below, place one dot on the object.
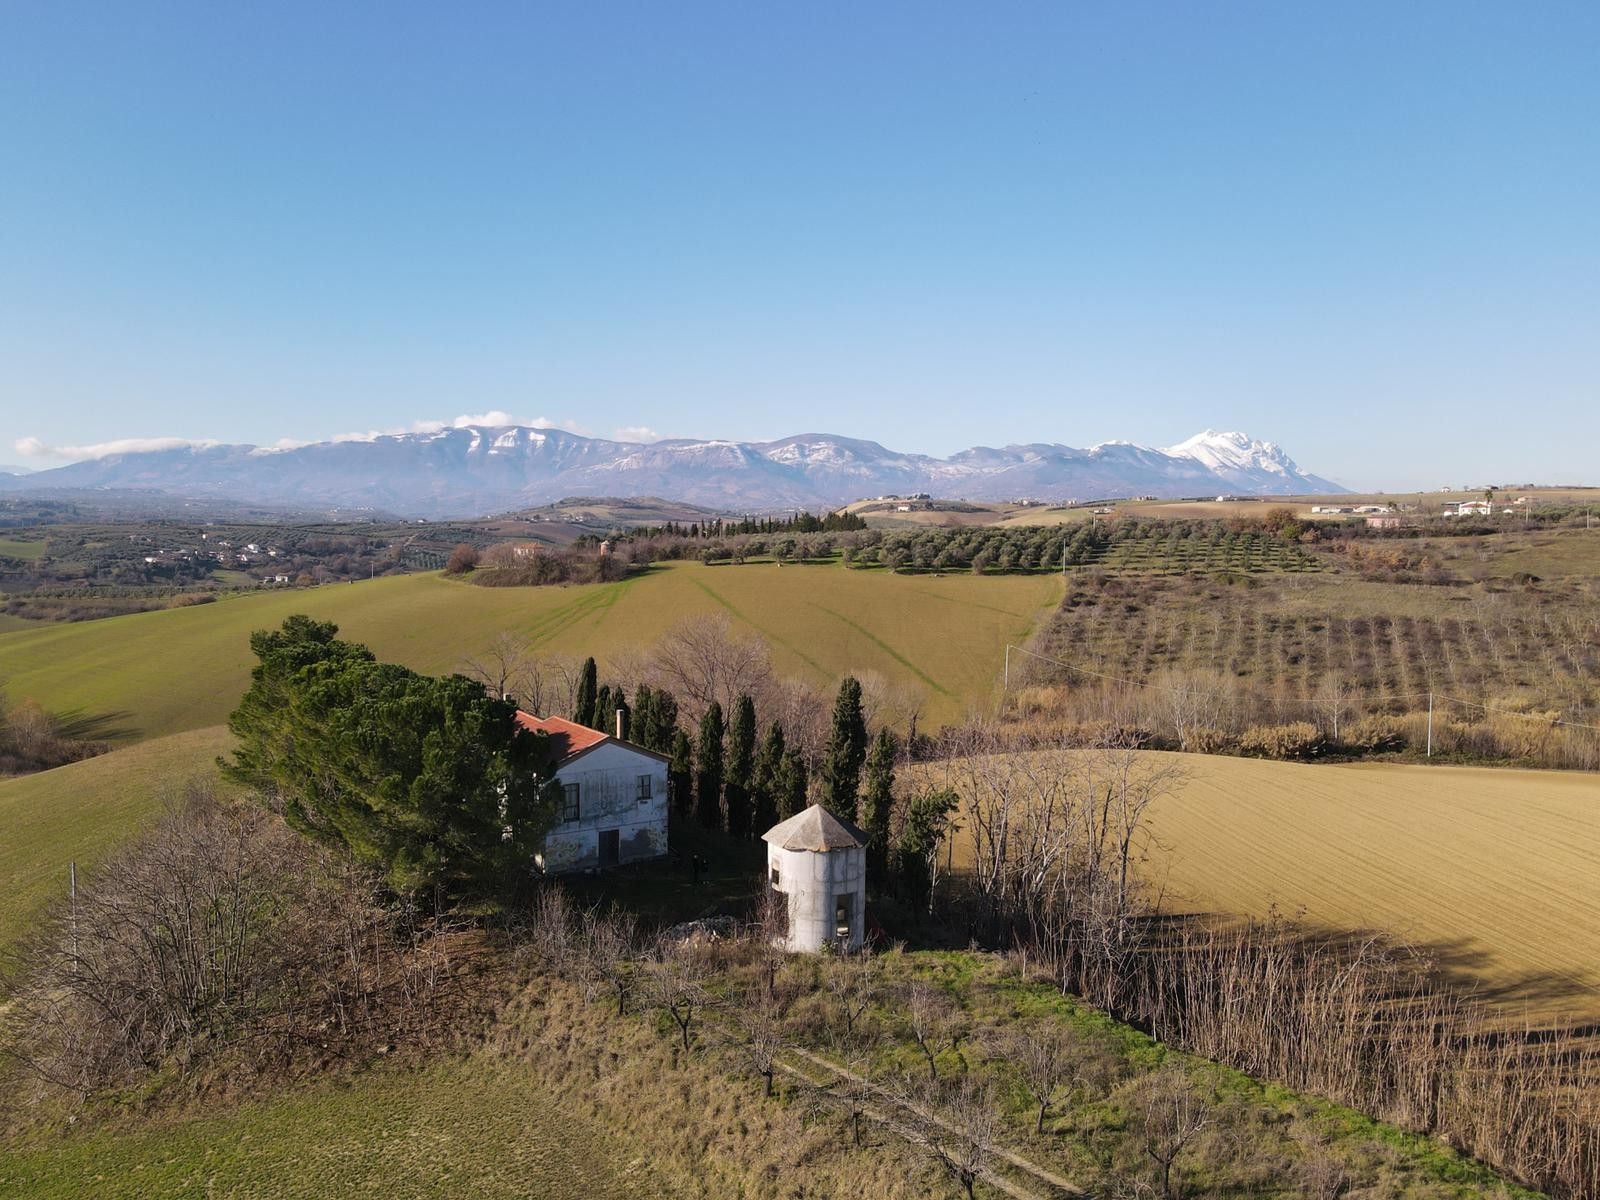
(474, 470)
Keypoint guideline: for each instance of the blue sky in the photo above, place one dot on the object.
(1368, 232)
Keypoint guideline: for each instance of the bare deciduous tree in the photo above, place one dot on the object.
(701, 659)
(933, 1021)
(676, 982)
(1170, 1112)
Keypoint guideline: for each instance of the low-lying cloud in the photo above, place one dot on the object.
(32, 447)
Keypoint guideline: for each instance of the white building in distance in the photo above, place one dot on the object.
(614, 798)
(817, 864)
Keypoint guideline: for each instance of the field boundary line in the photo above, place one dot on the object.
(885, 647)
(1043, 1174)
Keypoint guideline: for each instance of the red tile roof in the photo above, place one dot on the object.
(567, 737)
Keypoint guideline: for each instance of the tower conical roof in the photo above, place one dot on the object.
(815, 829)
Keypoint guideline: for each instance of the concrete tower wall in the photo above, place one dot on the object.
(812, 881)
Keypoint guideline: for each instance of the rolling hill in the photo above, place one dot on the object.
(150, 674)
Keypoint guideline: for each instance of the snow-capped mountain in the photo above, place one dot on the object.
(470, 470)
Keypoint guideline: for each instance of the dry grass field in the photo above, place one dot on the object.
(1495, 871)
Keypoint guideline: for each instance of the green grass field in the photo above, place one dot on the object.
(472, 1127)
(150, 674)
(82, 812)
(27, 549)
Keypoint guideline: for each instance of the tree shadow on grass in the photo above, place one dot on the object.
(81, 725)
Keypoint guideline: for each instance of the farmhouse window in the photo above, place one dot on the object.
(774, 877)
(645, 787)
(842, 905)
(569, 802)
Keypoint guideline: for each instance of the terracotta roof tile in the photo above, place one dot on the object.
(567, 738)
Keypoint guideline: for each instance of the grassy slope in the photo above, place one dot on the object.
(1494, 869)
(459, 1128)
(162, 672)
(83, 811)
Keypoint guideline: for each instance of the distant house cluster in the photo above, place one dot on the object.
(1478, 508)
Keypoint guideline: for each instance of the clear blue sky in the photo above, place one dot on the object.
(1370, 232)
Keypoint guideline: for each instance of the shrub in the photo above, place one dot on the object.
(1375, 734)
(463, 558)
(1296, 740)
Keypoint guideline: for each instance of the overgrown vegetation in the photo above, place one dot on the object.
(32, 739)
(1058, 842)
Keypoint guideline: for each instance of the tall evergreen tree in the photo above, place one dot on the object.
(427, 780)
(917, 855)
(793, 784)
(642, 729)
(737, 788)
(708, 768)
(665, 720)
(588, 693)
(768, 779)
(847, 750)
(680, 774)
(877, 803)
(605, 709)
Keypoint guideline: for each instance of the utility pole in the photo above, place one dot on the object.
(72, 889)
(1430, 725)
(1006, 686)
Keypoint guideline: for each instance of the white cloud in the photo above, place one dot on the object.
(637, 433)
(32, 447)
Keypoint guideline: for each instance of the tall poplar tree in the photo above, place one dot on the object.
(846, 752)
(708, 768)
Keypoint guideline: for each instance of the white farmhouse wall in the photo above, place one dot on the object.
(608, 798)
(812, 880)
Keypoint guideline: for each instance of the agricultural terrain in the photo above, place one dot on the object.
(85, 810)
(1493, 871)
(150, 674)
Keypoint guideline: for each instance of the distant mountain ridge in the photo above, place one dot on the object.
(474, 470)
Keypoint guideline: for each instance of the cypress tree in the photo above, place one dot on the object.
(741, 767)
(588, 693)
(680, 774)
(877, 803)
(708, 768)
(793, 784)
(768, 779)
(847, 750)
(605, 709)
(643, 729)
(666, 719)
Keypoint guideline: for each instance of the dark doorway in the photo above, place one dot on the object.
(610, 847)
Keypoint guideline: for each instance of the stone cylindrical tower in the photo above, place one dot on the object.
(817, 864)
